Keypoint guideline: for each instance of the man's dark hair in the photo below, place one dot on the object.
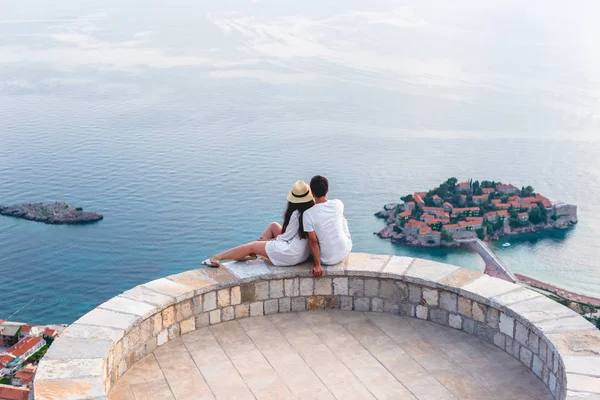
(319, 186)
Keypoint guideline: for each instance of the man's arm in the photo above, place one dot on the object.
(315, 250)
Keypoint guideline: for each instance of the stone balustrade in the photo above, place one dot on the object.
(558, 345)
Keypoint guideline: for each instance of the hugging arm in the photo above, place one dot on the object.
(315, 250)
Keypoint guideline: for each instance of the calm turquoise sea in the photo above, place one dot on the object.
(185, 125)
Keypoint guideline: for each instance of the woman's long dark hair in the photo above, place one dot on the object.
(289, 210)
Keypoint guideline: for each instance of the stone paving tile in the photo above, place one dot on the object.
(182, 375)
(328, 355)
(152, 390)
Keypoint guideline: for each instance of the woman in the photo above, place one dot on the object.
(283, 245)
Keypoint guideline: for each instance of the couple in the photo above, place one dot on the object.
(311, 225)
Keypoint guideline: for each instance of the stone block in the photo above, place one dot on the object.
(298, 304)
(499, 340)
(236, 295)
(507, 325)
(276, 289)
(521, 334)
(371, 287)
(227, 313)
(525, 355)
(242, 310)
(429, 270)
(486, 286)
(455, 321)
(210, 301)
(362, 304)
(439, 316)
(465, 307)
(346, 303)
(141, 293)
(366, 263)
(515, 348)
(414, 293)
(485, 332)
(256, 309)
(285, 304)
(162, 338)
(479, 311)
(168, 316)
(323, 287)
(198, 307)
(377, 305)
(493, 317)
(402, 292)
(215, 317)
(223, 298)
(545, 374)
(397, 266)
(534, 342)
(157, 323)
(332, 302)
(581, 383)
(390, 306)
(552, 383)
(291, 287)
(555, 359)
(407, 310)
(306, 286)
(109, 319)
(184, 309)
(449, 301)
(174, 331)
(171, 288)
(247, 293)
(537, 366)
(202, 321)
(271, 306)
(129, 306)
(261, 290)
(151, 344)
(541, 309)
(66, 369)
(542, 351)
(315, 302)
(430, 297)
(387, 290)
(421, 312)
(187, 325)
(340, 286)
(356, 287)
(468, 326)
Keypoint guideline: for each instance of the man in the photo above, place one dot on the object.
(328, 236)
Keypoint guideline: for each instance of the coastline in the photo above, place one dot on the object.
(567, 294)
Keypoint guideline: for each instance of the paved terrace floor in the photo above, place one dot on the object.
(328, 355)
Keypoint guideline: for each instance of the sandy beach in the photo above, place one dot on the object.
(562, 292)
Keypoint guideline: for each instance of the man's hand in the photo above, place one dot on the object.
(317, 271)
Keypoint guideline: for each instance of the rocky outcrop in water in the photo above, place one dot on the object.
(56, 213)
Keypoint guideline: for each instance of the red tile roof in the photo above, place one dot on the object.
(50, 332)
(466, 209)
(25, 375)
(546, 203)
(26, 328)
(404, 214)
(23, 346)
(475, 219)
(5, 359)
(502, 213)
(523, 214)
(436, 197)
(414, 222)
(464, 185)
(424, 230)
(488, 190)
(13, 393)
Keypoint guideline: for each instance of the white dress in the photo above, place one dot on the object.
(288, 248)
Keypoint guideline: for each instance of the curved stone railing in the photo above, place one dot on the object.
(558, 345)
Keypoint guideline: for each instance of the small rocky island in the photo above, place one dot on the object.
(56, 213)
(461, 212)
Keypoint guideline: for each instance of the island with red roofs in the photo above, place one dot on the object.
(455, 212)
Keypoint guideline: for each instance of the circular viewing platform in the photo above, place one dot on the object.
(372, 327)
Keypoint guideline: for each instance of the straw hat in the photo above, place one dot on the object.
(300, 193)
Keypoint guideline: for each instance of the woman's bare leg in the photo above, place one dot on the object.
(242, 251)
(272, 231)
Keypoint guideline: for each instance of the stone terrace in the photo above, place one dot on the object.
(486, 326)
(328, 355)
